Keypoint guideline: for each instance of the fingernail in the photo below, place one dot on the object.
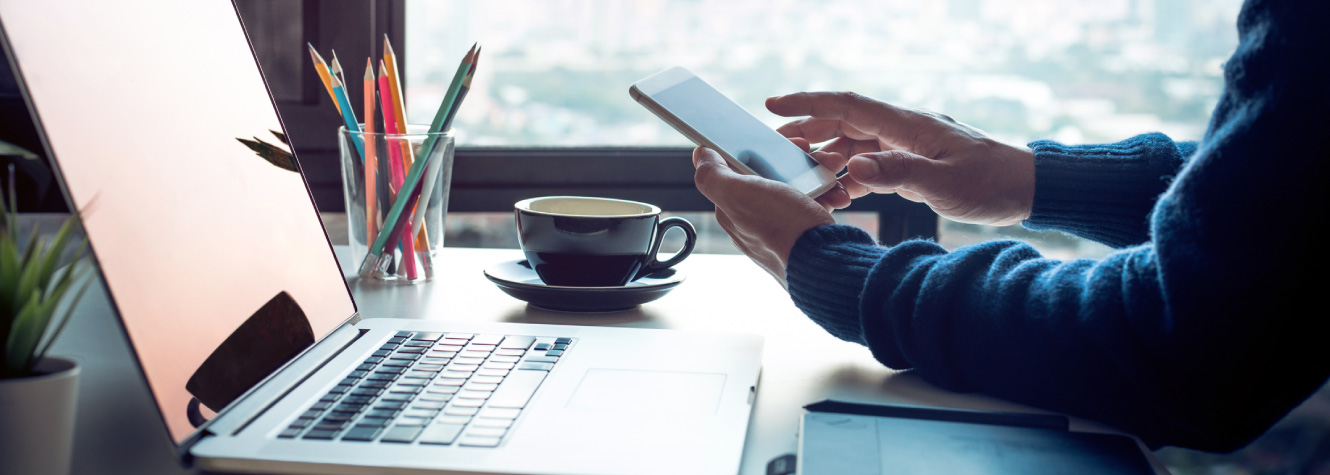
(867, 167)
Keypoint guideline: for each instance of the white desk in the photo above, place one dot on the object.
(119, 432)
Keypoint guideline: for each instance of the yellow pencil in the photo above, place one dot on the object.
(322, 68)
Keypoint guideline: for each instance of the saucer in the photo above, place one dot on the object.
(518, 279)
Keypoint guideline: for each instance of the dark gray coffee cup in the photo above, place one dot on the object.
(595, 242)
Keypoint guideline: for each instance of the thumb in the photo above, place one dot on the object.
(895, 169)
(713, 176)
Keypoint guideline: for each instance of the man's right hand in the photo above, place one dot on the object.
(922, 156)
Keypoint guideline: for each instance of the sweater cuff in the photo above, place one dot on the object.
(1102, 192)
(826, 273)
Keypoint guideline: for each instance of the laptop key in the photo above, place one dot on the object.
(320, 434)
(488, 379)
(432, 360)
(460, 336)
(492, 372)
(381, 353)
(509, 352)
(373, 360)
(391, 405)
(468, 403)
(555, 353)
(435, 398)
(517, 389)
(418, 343)
(487, 339)
(542, 346)
(481, 387)
(402, 334)
(461, 411)
(289, 433)
(473, 441)
(541, 359)
(499, 413)
(401, 434)
(536, 366)
(517, 342)
(447, 419)
(362, 432)
(559, 346)
(564, 340)
(431, 336)
(441, 434)
(495, 432)
(375, 421)
(493, 423)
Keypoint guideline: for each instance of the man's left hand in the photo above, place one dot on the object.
(763, 217)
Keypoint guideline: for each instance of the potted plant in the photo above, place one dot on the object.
(38, 393)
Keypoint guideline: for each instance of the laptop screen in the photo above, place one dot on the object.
(159, 121)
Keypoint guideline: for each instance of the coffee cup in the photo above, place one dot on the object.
(595, 242)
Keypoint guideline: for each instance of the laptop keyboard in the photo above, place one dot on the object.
(434, 388)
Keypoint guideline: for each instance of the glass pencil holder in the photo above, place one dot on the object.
(395, 223)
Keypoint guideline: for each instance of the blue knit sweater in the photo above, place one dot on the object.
(1202, 329)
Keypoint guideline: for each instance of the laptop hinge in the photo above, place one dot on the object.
(253, 403)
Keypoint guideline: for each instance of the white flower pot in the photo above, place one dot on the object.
(37, 419)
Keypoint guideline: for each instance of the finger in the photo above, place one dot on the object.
(890, 123)
(833, 161)
(819, 130)
(802, 143)
(895, 169)
(850, 147)
(835, 198)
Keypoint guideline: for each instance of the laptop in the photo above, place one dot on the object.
(243, 326)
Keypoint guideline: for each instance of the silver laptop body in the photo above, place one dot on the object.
(205, 248)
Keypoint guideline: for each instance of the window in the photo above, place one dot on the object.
(556, 73)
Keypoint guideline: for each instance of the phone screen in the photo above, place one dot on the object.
(734, 130)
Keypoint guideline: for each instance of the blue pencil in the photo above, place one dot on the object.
(349, 116)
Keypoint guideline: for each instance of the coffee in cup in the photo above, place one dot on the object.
(595, 242)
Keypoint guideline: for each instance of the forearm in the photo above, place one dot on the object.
(1104, 193)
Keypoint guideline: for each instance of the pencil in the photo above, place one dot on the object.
(371, 162)
(472, 57)
(395, 85)
(396, 166)
(399, 110)
(349, 116)
(336, 68)
(322, 68)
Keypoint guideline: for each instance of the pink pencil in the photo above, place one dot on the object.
(398, 172)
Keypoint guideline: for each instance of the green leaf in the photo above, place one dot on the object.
(9, 272)
(23, 336)
(52, 258)
(64, 318)
(27, 279)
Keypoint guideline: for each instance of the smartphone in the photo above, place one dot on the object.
(710, 119)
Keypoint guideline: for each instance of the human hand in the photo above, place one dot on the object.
(922, 156)
(763, 217)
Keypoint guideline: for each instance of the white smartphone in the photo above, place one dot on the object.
(710, 119)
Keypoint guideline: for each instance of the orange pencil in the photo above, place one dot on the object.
(322, 68)
(371, 163)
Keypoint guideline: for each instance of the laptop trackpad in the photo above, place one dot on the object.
(623, 390)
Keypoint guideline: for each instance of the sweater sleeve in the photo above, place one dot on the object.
(1199, 337)
(1104, 193)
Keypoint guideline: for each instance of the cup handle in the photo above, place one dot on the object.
(690, 240)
